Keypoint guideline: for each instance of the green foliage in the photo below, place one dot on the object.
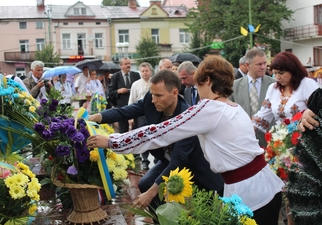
(304, 189)
(168, 213)
(48, 56)
(223, 19)
(206, 208)
(147, 48)
(198, 46)
(116, 3)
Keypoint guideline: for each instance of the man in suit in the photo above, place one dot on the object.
(186, 70)
(163, 102)
(256, 65)
(35, 85)
(119, 89)
(242, 70)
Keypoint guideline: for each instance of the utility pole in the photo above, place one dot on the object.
(250, 22)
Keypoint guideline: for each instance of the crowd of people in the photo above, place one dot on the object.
(205, 118)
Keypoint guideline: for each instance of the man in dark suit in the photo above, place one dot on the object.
(186, 70)
(242, 70)
(163, 102)
(256, 64)
(119, 89)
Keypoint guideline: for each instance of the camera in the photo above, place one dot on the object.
(46, 83)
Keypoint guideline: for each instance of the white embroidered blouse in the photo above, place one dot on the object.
(275, 107)
(227, 138)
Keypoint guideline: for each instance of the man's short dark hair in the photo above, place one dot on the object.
(170, 79)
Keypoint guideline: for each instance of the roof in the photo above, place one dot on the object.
(100, 12)
(21, 12)
(186, 3)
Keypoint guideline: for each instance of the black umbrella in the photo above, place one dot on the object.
(92, 64)
(110, 67)
(181, 57)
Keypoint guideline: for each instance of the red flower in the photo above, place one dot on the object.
(140, 134)
(50, 157)
(287, 121)
(295, 138)
(282, 173)
(153, 128)
(297, 116)
(268, 137)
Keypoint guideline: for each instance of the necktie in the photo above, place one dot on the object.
(193, 96)
(253, 98)
(127, 81)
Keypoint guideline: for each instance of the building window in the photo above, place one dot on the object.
(23, 25)
(155, 35)
(123, 36)
(154, 11)
(39, 25)
(99, 40)
(98, 23)
(318, 14)
(65, 23)
(24, 46)
(184, 36)
(40, 43)
(80, 23)
(317, 55)
(81, 40)
(79, 11)
(66, 41)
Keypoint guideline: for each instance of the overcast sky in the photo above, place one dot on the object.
(142, 3)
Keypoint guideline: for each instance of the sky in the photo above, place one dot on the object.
(142, 3)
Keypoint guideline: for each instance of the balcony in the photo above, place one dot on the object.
(20, 56)
(303, 32)
(165, 47)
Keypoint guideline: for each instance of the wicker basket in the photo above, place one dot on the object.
(86, 206)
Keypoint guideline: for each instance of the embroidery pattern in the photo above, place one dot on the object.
(150, 130)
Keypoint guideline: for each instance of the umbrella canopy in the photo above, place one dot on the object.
(92, 64)
(110, 67)
(61, 70)
(181, 57)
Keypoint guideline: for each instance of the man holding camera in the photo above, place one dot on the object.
(36, 86)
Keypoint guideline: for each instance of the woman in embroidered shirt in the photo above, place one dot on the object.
(94, 85)
(226, 136)
(288, 95)
(65, 90)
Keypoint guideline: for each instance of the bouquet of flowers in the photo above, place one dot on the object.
(19, 189)
(281, 140)
(185, 204)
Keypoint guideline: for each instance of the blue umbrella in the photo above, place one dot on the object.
(61, 70)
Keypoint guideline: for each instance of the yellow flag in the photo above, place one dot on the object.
(243, 31)
(257, 28)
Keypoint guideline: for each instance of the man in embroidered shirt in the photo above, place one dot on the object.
(161, 103)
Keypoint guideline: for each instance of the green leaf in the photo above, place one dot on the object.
(161, 191)
(168, 213)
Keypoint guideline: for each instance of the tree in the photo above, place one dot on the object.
(223, 19)
(148, 51)
(48, 56)
(116, 3)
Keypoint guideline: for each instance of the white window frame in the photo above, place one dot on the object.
(66, 41)
(24, 44)
(39, 24)
(184, 36)
(155, 35)
(123, 36)
(22, 25)
(98, 40)
(79, 11)
(40, 44)
(82, 37)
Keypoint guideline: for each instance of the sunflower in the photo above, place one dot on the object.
(178, 185)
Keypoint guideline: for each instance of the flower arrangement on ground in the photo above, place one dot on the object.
(186, 204)
(281, 140)
(19, 190)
